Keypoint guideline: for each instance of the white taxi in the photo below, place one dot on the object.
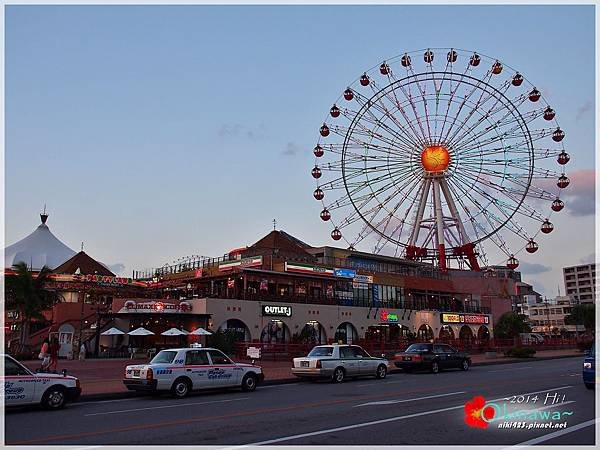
(23, 387)
(181, 370)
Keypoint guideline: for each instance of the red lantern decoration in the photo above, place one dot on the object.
(517, 79)
(316, 172)
(428, 56)
(325, 215)
(384, 69)
(563, 158)
(405, 61)
(318, 151)
(336, 234)
(557, 205)
(497, 67)
(452, 56)
(512, 262)
(318, 194)
(558, 135)
(348, 94)
(534, 95)
(547, 227)
(532, 246)
(475, 60)
(324, 130)
(549, 113)
(364, 80)
(563, 181)
(334, 111)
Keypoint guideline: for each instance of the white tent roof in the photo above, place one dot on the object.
(174, 332)
(141, 331)
(38, 249)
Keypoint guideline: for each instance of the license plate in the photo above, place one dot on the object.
(136, 373)
(407, 358)
(303, 363)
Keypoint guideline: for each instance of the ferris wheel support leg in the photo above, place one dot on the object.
(420, 209)
(439, 222)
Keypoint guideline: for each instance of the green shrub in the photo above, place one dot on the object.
(520, 352)
(223, 340)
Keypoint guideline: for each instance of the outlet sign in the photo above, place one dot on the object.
(276, 311)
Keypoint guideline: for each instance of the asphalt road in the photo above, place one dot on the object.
(403, 409)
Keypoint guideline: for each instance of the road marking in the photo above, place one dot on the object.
(278, 385)
(375, 422)
(509, 370)
(392, 402)
(83, 403)
(178, 405)
(558, 433)
(263, 411)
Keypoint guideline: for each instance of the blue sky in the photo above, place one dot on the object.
(153, 132)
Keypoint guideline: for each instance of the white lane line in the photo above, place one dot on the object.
(509, 370)
(278, 385)
(178, 405)
(375, 422)
(83, 403)
(558, 433)
(392, 402)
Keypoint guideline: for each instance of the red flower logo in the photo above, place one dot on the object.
(476, 414)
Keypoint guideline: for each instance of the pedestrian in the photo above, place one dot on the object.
(82, 351)
(54, 348)
(45, 355)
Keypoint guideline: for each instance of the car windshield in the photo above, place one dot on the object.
(415, 348)
(164, 356)
(321, 351)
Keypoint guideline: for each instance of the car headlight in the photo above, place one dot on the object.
(587, 365)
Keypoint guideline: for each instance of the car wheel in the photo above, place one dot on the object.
(589, 385)
(381, 372)
(464, 365)
(435, 367)
(338, 375)
(181, 388)
(249, 382)
(54, 398)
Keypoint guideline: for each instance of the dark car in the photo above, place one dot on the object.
(432, 357)
(589, 368)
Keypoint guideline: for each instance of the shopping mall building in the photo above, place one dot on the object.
(278, 290)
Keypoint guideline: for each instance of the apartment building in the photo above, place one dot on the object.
(580, 282)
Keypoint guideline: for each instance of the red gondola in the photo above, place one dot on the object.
(318, 151)
(318, 194)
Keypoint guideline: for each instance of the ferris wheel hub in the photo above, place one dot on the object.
(435, 158)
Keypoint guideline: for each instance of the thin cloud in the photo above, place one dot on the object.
(117, 268)
(579, 197)
(589, 259)
(533, 269)
(583, 110)
(237, 131)
(291, 149)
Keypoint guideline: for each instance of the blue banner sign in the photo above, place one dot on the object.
(344, 273)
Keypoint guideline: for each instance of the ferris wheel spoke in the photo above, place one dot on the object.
(414, 110)
(412, 137)
(393, 99)
(507, 218)
(507, 120)
(534, 135)
(465, 99)
(459, 134)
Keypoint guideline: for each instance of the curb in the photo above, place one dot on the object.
(131, 394)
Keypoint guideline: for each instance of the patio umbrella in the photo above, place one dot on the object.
(174, 332)
(141, 331)
(112, 332)
(200, 332)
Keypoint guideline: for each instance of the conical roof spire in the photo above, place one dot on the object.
(44, 216)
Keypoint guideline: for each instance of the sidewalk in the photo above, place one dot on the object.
(102, 378)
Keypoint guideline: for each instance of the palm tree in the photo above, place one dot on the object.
(27, 294)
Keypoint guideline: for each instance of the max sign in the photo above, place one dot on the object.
(279, 311)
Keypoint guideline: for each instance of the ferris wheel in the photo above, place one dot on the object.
(434, 152)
